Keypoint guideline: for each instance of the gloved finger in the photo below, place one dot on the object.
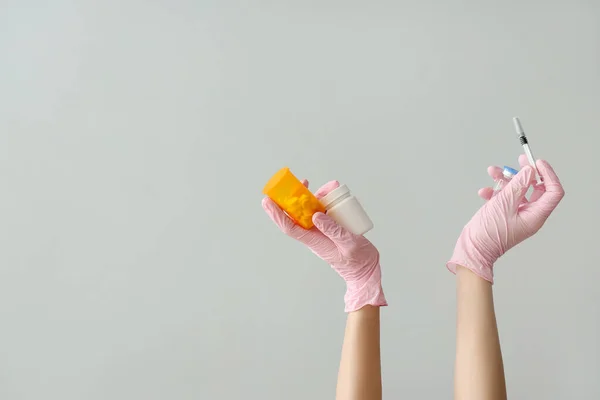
(549, 176)
(553, 193)
(486, 193)
(537, 189)
(285, 223)
(326, 188)
(336, 233)
(523, 161)
(515, 191)
(537, 212)
(305, 182)
(495, 172)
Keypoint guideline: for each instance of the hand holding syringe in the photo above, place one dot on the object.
(525, 144)
(507, 218)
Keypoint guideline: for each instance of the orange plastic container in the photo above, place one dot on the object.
(293, 197)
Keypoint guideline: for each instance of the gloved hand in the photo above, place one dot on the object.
(506, 219)
(353, 257)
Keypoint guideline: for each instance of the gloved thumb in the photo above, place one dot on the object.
(338, 234)
(517, 188)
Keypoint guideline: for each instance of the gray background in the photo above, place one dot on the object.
(137, 263)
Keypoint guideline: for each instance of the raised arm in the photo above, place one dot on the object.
(356, 260)
(359, 377)
(478, 371)
(503, 222)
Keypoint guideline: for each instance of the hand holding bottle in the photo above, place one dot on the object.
(352, 256)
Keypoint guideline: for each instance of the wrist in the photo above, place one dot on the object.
(484, 271)
(468, 255)
(465, 273)
(366, 291)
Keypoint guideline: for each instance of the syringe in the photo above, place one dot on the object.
(525, 144)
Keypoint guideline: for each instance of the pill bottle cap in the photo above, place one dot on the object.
(346, 210)
(334, 195)
(509, 172)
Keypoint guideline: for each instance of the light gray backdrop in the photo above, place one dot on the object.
(135, 138)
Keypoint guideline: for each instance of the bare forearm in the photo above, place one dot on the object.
(359, 376)
(479, 371)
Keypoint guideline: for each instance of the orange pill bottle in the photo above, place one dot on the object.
(293, 197)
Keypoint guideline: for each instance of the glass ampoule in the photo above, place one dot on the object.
(507, 175)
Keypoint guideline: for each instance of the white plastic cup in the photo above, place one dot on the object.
(346, 210)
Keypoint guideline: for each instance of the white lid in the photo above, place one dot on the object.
(347, 211)
(509, 172)
(334, 195)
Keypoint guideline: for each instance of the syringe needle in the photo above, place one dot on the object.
(525, 144)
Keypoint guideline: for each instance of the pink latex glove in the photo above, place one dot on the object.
(353, 257)
(506, 219)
